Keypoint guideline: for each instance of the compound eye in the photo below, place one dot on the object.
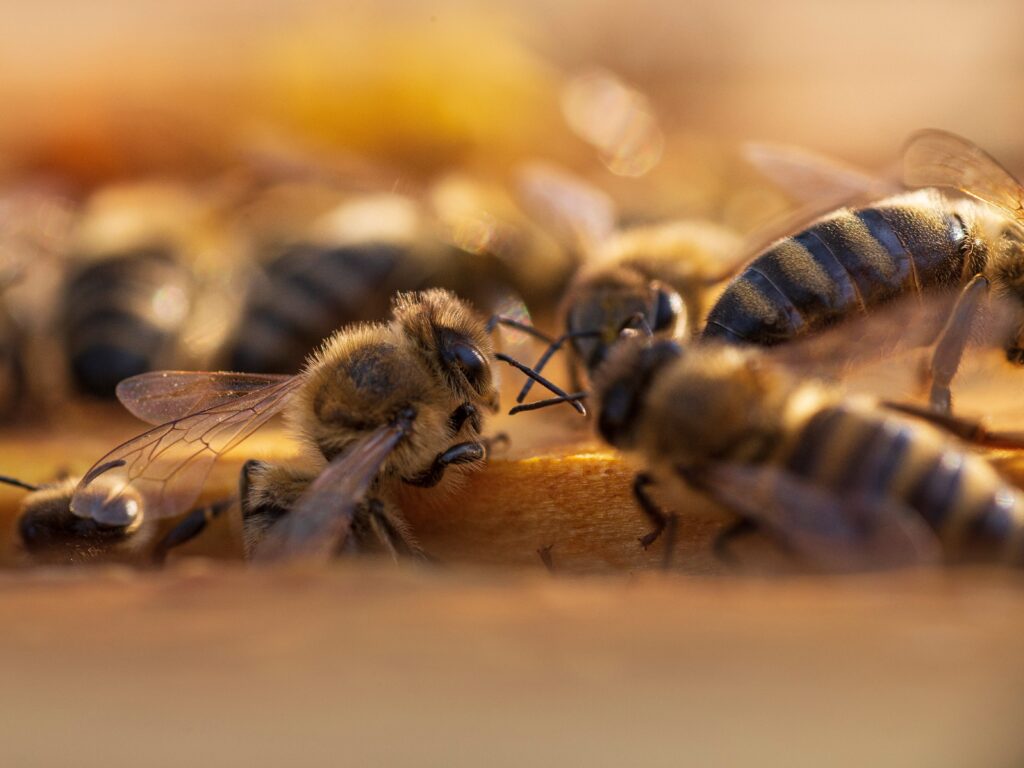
(469, 361)
(119, 513)
(667, 308)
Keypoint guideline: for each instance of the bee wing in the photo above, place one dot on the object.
(819, 184)
(884, 352)
(576, 212)
(321, 519)
(161, 396)
(934, 158)
(815, 179)
(167, 466)
(832, 532)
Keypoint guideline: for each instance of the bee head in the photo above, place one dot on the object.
(604, 304)
(621, 385)
(453, 341)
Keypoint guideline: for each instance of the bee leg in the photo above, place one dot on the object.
(953, 339)
(499, 438)
(722, 545)
(391, 531)
(544, 553)
(256, 518)
(462, 414)
(663, 522)
(193, 524)
(460, 453)
(969, 430)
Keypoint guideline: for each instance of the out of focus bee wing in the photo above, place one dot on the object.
(934, 158)
(885, 350)
(320, 521)
(161, 396)
(819, 184)
(576, 212)
(168, 465)
(815, 179)
(831, 532)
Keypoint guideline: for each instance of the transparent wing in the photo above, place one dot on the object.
(575, 211)
(934, 158)
(321, 519)
(819, 184)
(161, 396)
(813, 178)
(887, 348)
(832, 532)
(168, 465)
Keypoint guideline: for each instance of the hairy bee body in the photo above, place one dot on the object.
(431, 365)
(687, 412)
(856, 259)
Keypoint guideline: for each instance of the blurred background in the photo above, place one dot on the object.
(108, 90)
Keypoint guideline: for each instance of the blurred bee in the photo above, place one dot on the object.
(344, 266)
(853, 260)
(842, 481)
(50, 533)
(650, 276)
(376, 405)
(150, 272)
(34, 222)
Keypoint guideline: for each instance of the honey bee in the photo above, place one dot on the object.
(34, 222)
(376, 405)
(49, 532)
(652, 276)
(343, 270)
(344, 266)
(842, 481)
(149, 267)
(856, 259)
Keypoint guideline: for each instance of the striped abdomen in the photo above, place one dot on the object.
(857, 453)
(846, 263)
(307, 293)
(122, 315)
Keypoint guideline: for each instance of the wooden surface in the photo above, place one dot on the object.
(365, 665)
(487, 659)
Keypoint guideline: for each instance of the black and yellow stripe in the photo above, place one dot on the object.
(846, 263)
(861, 452)
(112, 325)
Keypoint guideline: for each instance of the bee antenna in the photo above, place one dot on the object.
(511, 322)
(553, 388)
(18, 483)
(553, 347)
(575, 397)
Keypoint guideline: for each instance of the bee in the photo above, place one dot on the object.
(343, 268)
(375, 406)
(148, 273)
(34, 222)
(855, 259)
(49, 532)
(842, 481)
(653, 276)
